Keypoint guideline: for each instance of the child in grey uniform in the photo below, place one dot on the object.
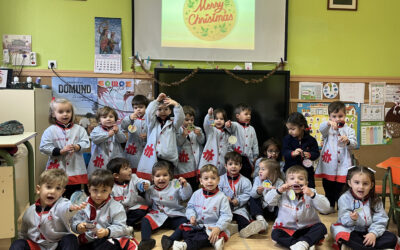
(45, 224)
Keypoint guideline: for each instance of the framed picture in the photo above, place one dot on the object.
(342, 4)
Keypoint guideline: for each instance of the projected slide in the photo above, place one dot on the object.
(223, 24)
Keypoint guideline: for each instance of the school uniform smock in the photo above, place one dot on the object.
(161, 139)
(257, 182)
(335, 160)
(110, 215)
(55, 138)
(211, 209)
(216, 146)
(166, 202)
(46, 226)
(247, 143)
(238, 187)
(128, 193)
(189, 150)
(299, 213)
(105, 147)
(135, 145)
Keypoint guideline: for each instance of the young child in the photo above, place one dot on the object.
(336, 155)
(161, 136)
(103, 222)
(269, 177)
(237, 189)
(299, 147)
(246, 144)
(217, 128)
(126, 189)
(64, 143)
(297, 225)
(209, 214)
(165, 197)
(106, 139)
(45, 224)
(137, 131)
(271, 149)
(190, 140)
(362, 220)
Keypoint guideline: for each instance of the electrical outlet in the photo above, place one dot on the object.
(51, 64)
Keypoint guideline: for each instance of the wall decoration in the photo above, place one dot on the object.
(310, 90)
(330, 90)
(342, 4)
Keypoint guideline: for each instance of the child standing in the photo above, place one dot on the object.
(161, 136)
(64, 142)
(269, 177)
(209, 214)
(362, 220)
(247, 143)
(165, 197)
(336, 155)
(106, 139)
(136, 126)
(190, 140)
(45, 224)
(216, 127)
(299, 147)
(237, 189)
(297, 225)
(103, 222)
(271, 149)
(126, 189)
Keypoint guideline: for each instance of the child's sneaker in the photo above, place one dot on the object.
(232, 228)
(147, 244)
(166, 242)
(265, 223)
(253, 228)
(300, 245)
(219, 244)
(130, 231)
(179, 245)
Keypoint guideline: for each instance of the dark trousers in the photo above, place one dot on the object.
(102, 244)
(241, 221)
(257, 209)
(134, 216)
(311, 235)
(333, 190)
(195, 238)
(194, 183)
(171, 223)
(70, 189)
(68, 241)
(247, 168)
(387, 240)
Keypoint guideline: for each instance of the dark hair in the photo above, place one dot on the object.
(271, 141)
(162, 165)
(140, 100)
(101, 177)
(216, 111)
(209, 168)
(299, 120)
(297, 169)
(188, 110)
(241, 107)
(105, 111)
(374, 199)
(233, 156)
(274, 170)
(115, 164)
(336, 106)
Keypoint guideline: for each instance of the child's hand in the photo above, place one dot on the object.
(307, 155)
(193, 220)
(285, 187)
(297, 152)
(185, 132)
(354, 215)
(161, 97)
(228, 124)
(77, 207)
(333, 125)
(115, 128)
(182, 181)
(307, 191)
(102, 232)
(370, 239)
(235, 202)
(111, 133)
(197, 131)
(215, 231)
(76, 147)
(344, 139)
(133, 116)
(210, 112)
(143, 136)
(260, 190)
(168, 101)
(146, 186)
(67, 149)
(81, 228)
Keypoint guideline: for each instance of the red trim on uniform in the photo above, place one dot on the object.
(153, 224)
(142, 175)
(118, 198)
(82, 238)
(222, 234)
(337, 178)
(342, 235)
(128, 244)
(33, 245)
(78, 179)
(186, 175)
(143, 207)
(185, 228)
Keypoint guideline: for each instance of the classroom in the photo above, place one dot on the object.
(303, 71)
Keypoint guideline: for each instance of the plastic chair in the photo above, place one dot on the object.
(379, 189)
(394, 201)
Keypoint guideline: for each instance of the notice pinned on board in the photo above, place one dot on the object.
(352, 92)
(310, 90)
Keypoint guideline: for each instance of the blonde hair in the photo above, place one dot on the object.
(274, 171)
(52, 118)
(209, 168)
(297, 169)
(53, 176)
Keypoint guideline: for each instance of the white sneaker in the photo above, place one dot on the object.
(130, 231)
(344, 247)
(219, 244)
(312, 247)
(232, 228)
(179, 245)
(253, 228)
(264, 222)
(300, 245)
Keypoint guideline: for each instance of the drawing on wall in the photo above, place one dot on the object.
(310, 90)
(330, 90)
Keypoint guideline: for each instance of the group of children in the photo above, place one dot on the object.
(149, 182)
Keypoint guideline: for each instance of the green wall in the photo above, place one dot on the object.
(321, 42)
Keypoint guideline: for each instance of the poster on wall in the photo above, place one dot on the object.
(310, 90)
(372, 133)
(81, 91)
(316, 113)
(108, 57)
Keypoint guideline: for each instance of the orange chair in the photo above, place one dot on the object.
(379, 189)
(394, 179)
